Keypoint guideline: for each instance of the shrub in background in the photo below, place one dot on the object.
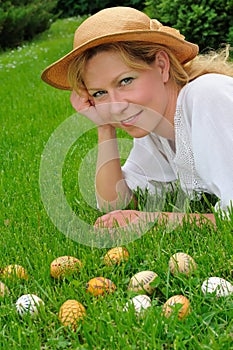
(70, 8)
(205, 22)
(22, 19)
(230, 40)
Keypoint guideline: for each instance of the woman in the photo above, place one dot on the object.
(129, 71)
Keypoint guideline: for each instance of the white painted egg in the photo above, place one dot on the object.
(28, 303)
(217, 285)
(140, 303)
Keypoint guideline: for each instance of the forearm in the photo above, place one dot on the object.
(176, 218)
(111, 189)
(173, 217)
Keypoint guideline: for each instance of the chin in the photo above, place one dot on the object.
(137, 133)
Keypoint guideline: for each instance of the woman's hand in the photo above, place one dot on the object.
(123, 218)
(85, 105)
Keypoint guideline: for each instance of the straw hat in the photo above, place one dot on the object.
(113, 25)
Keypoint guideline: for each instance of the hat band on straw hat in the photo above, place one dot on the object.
(118, 24)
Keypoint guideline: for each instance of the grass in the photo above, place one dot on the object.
(30, 112)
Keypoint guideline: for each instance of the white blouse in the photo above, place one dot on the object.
(202, 157)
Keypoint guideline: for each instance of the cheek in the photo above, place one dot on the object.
(155, 96)
(142, 96)
(149, 91)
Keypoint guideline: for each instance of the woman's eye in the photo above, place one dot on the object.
(98, 94)
(126, 81)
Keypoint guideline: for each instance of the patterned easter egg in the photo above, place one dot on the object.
(169, 306)
(64, 266)
(28, 304)
(182, 263)
(100, 286)
(71, 313)
(116, 255)
(3, 289)
(217, 285)
(15, 271)
(140, 303)
(141, 281)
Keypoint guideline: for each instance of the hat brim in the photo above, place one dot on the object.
(56, 74)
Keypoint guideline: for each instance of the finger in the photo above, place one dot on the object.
(79, 102)
(100, 222)
(91, 101)
(107, 221)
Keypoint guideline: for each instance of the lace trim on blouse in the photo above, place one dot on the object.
(182, 160)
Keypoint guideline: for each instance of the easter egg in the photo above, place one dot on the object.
(3, 289)
(71, 313)
(64, 266)
(182, 263)
(141, 281)
(15, 271)
(217, 285)
(28, 304)
(140, 304)
(116, 255)
(100, 286)
(169, 306)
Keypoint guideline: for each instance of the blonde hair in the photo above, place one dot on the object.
(139, 55)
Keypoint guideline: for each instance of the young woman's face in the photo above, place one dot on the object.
(131, 99)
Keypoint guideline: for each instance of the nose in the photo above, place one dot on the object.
(113, 108)
(117, 104)
(117, 108)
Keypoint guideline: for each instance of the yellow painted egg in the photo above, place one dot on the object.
(3, 289)
(141, 282)
(182, 263)
(64, 266)
(116, 255)
(100, 286)
(15, 271)
(169, 306)
(71, 313)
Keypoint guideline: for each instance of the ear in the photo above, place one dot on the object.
(163, 63)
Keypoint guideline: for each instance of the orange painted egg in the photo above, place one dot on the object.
(169, 306)
(64, 266)
(100, 286)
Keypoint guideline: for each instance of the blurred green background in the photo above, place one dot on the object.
(209, 23)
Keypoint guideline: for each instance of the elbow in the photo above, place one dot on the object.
(114, 200)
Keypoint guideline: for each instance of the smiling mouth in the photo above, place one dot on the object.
(131, 120)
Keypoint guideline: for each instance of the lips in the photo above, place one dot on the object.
(131, 120)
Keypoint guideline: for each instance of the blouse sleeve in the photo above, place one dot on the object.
(210, 102)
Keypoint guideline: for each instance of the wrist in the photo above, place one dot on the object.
(106, 132)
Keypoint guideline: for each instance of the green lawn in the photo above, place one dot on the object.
(30, 113)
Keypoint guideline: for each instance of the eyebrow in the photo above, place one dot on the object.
(113, 81)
